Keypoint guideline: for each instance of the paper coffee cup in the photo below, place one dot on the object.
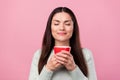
(58, 49)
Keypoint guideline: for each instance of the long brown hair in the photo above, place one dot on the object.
(49, 42)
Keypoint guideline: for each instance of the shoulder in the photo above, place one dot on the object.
(87, 54)
(37, 54)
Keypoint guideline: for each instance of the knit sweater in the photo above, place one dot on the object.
(63, 73)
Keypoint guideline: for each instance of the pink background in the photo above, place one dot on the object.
(22, 24)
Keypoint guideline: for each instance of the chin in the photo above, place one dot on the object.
(62, 40)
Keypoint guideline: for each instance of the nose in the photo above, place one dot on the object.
(62, 27)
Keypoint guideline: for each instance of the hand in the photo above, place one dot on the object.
(65, 58)
(52, 64)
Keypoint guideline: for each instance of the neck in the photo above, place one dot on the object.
(61, 43)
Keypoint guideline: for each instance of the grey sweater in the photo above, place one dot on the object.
(62, 73)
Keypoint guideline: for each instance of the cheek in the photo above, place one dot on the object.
(53, 31)
(70, 30)
(53, 28)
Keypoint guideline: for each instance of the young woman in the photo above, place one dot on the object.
(62, 30)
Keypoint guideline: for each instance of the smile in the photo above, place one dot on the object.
(62, 34)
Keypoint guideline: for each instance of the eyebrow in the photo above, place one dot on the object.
(56, 20)
(64, 21)
(68, 21)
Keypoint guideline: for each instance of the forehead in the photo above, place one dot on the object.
(61, 16)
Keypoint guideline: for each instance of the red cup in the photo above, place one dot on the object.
(58, 49)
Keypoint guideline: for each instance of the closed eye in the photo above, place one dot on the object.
(56, 24)
(68, 24)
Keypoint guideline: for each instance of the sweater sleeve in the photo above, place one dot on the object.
(34, 75)
(77, 74)
(90, 64)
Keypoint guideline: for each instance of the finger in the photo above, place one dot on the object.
(61, 60)
(53, 60)
(63, 55)
(66, 52)
(58, 64)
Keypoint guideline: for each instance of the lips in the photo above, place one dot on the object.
(61, 33)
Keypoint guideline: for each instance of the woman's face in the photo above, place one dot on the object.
(62, 27)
